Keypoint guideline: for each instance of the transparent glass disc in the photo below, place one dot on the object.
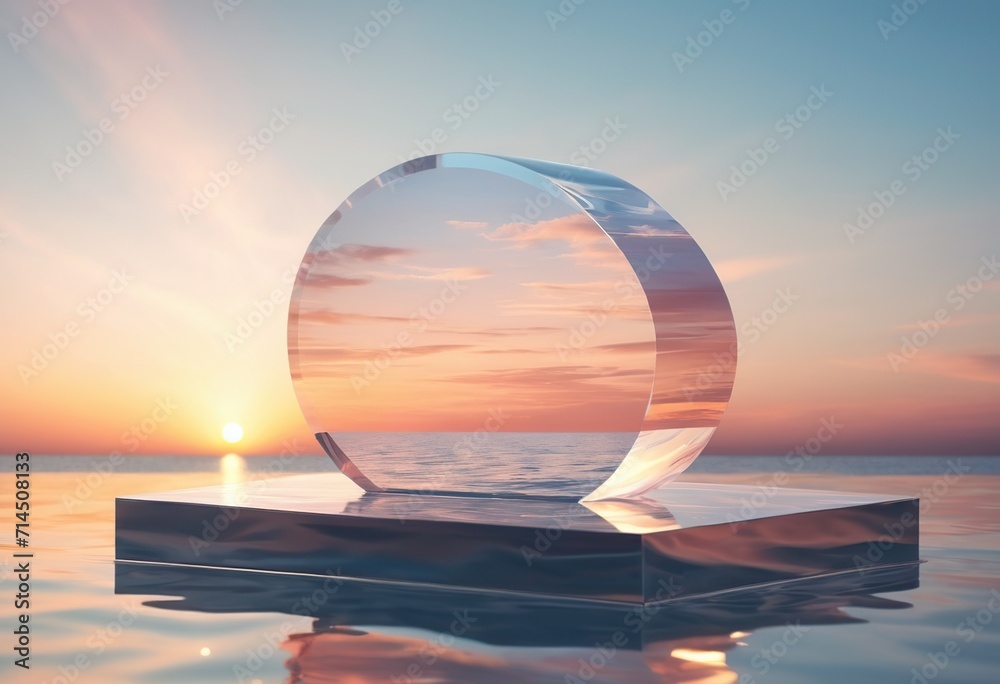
(479, 325)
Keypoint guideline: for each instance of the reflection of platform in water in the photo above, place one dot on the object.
(682, 540)
(366, 629)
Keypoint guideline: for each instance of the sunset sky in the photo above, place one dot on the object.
(426, 306)
(167, 165)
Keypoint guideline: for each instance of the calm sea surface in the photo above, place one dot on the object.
(939, 623)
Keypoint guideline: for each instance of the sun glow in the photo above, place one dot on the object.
(232, 432)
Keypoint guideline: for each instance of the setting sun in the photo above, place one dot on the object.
(232, 432)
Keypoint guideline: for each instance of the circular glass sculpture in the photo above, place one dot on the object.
(489, 326)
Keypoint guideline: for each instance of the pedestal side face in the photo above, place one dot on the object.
(705, 559)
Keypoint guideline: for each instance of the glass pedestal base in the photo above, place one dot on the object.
(680, 541)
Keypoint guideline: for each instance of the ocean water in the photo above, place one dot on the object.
(533, 463)
(572, 465)
(939, 622)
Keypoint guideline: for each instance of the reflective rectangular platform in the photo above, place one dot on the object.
(680, 541)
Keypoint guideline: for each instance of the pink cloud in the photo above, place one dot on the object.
(587, 242)
(366, 253)
(432, 273)
(325, 316)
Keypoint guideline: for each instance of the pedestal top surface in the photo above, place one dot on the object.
(675, 506)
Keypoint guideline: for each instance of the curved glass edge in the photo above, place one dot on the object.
(657, 457)
(692, 382)
(695, 330)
